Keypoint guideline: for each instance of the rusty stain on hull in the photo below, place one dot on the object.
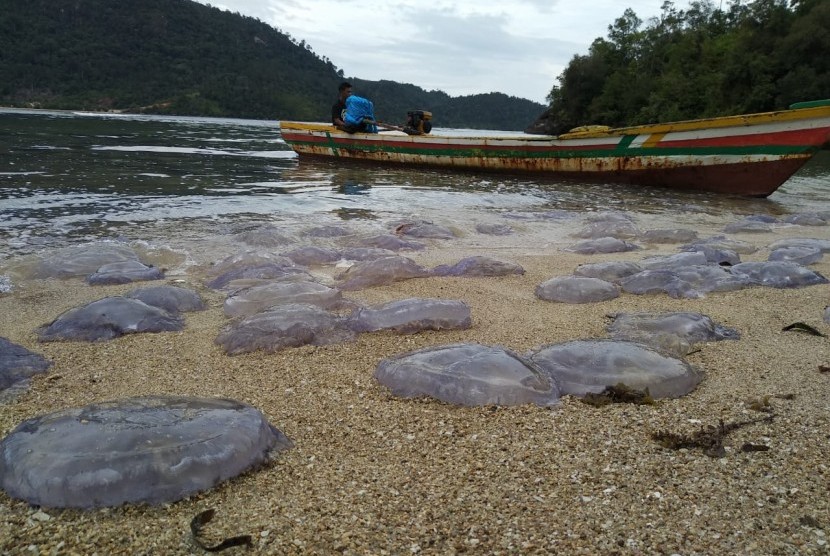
(751, 179)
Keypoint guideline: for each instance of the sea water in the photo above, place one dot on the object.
(193, 183)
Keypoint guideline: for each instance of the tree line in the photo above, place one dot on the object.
(185, 58)
(702, 61)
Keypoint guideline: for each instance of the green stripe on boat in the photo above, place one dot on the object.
(810, 104)
(625, 142)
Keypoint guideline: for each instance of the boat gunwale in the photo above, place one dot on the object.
(745, 120)
(799, 140)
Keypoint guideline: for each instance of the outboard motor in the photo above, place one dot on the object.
(418, 122)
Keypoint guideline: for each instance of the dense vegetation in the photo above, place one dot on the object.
(182, 57)
(700, 62)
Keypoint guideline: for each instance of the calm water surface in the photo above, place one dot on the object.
(69, 177)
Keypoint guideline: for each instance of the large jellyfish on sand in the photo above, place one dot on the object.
(285, 326)
(18, 364)
(576, 289)
(581, 367)
(153, 450)
(109, 318)
(672, 333)
(467, 374)
(408, 316)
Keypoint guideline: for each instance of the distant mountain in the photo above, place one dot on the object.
(182, 57)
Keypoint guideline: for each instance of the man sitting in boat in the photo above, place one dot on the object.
(344, 91)
(352, 113)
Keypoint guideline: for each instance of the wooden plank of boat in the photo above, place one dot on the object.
(750, 154)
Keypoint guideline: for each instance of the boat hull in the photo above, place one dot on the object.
(748, 155)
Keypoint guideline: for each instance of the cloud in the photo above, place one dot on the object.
(461, 54)
(518, 47)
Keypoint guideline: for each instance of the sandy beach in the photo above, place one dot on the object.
(373, 474)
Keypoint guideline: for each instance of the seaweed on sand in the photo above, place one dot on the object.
(621, 393)
(803, 327)
(709, 439)
(203, 518)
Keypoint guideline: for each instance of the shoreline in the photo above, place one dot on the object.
(373, 474)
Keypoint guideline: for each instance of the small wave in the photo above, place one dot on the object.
(103, 114)
(159, 149)
(272, 154)
(286, 154)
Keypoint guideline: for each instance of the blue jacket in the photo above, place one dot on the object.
(357, 110)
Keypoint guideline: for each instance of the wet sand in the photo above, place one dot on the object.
(372, 474)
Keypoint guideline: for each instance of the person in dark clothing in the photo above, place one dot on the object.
(337, 109)
(352, 113)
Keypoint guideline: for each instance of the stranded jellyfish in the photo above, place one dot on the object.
(467, 374)
(152, 450)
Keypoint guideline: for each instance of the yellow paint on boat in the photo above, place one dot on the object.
(653, 140)
(821, 111)
(306, 126)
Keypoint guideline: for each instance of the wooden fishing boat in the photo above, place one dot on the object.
(750, 154)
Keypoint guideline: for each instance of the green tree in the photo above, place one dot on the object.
(698, 62)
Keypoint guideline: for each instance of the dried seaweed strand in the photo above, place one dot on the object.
(750, 447)
(709, 439)
(204, 518)
(803, 327)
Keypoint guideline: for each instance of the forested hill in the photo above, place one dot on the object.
(697, 62)
(182, 57)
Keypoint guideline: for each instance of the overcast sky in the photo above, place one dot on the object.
(461, 47)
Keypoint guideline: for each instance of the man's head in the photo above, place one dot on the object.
(345, 89)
